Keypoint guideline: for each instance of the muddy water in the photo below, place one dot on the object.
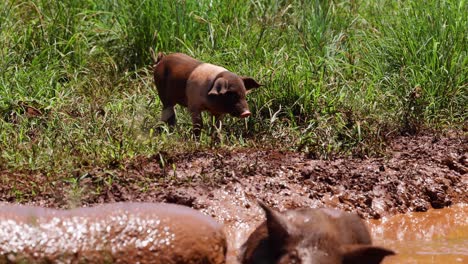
(436, 236)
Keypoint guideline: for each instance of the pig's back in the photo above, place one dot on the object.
(121, 232)
(171, 75)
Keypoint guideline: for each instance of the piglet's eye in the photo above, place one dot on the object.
(232, 96)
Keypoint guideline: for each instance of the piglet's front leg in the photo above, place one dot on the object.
(197, 122)
(216, 126)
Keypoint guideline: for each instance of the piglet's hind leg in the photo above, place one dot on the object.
(168, 115)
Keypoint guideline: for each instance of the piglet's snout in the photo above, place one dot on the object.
(245, 114)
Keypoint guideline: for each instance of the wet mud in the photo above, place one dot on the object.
(415, 174)
(436, 236)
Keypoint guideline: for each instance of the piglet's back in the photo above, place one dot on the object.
(119, 233)
(170, 76)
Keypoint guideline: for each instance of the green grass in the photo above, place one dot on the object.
(340, 76)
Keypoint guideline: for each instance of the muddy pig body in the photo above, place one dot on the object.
(111, 233)
(181, 79)
(311, 236)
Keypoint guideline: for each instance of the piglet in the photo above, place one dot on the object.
(311, 236)
(181, 79)
(111, 233)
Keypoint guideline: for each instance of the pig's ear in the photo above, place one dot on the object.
(220, 86)
(250, 83)
(364, 254)
(277, 225)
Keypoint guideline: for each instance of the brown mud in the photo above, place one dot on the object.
(414, 175)
(436, 236)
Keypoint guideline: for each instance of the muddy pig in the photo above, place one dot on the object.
(110, 233)
(181, 79)
(306, 236)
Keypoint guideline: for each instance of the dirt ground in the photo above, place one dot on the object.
(415, 174)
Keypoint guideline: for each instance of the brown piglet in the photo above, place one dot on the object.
(110, 233)
(183, 80)
(311, 236)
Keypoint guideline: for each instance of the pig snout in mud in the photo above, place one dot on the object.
(183, 80)
(311, 236)
(111, 233)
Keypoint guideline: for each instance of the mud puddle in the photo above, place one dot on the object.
(435, 236)
(414, 175)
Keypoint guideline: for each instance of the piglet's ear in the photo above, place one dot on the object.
(250, 83)
(364, 254)
(220, 86)
(277, 225)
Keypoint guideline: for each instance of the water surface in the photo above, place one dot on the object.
(435, 236)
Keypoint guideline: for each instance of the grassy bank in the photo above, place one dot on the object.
(340, 76)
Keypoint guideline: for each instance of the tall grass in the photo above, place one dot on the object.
(340, 76)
